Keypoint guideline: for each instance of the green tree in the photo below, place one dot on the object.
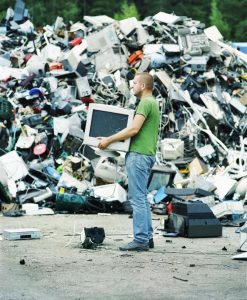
(234, 13)
(99, 7)
(241, 32)
(127, 11)
(44, 12)
(70, 11)
(216, 19)
(192, 8)
(228, 15)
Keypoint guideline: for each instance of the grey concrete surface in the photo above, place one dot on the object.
(56, 266)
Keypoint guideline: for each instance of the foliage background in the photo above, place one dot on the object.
(228, 15)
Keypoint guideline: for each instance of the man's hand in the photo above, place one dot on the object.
(124, 134)
(104, 143)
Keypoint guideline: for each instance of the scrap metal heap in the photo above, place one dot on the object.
(49, 76)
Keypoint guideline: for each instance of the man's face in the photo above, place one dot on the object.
(138, 86)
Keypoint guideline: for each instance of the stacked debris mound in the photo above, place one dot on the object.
(50, 76)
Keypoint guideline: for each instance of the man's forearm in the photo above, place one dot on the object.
(123, 135)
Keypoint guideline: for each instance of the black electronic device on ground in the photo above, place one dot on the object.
(194, 219)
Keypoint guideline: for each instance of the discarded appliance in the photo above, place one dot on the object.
(93, 237)
(193, 219)
(197, 167)
(108, 170)
(12, 167)
(224, 186)
(22, 234)
(110, 192)
(160, 176)
(71, 203)
(187, 192)
(241, 188)
(9, 176)
(228, 208)
(96, 234)
(172, 148)
(104, 120)
(32, 209)
(105, 38)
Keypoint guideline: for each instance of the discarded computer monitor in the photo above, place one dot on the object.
(105, 120)
(160, 176)
(172, 148)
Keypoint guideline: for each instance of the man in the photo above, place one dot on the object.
(140, 159)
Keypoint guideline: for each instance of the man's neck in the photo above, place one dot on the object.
(146, 94)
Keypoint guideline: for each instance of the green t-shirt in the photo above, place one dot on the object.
(146, 139)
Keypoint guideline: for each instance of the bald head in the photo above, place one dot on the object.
(142, 85)
(146, 79)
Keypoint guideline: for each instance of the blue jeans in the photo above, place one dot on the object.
(138, 168)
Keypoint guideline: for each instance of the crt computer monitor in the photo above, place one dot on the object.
(160, 176)
(104, 120)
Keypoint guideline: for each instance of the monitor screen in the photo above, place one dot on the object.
(160, 176)
(105, 123)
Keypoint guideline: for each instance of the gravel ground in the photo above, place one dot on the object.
(57, 267)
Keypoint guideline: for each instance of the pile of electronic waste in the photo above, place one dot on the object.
(50, 75)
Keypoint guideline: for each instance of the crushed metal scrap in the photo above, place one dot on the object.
(50, 75)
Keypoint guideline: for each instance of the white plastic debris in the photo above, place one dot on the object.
(12, 167)
(110, 192)
(228, 208)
